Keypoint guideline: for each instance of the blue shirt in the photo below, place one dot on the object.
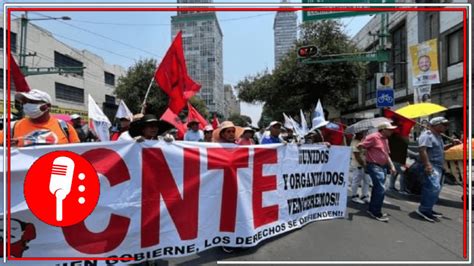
(434, 147)
(270, 140)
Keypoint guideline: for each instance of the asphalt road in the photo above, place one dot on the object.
(406, 237)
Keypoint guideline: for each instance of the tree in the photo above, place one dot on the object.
(240, 120)
(294, 85)
(132, 87)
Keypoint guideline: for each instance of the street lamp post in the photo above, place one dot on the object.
(28, 71)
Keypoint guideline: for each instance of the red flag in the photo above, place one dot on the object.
(215, 122)
(172, 76)
(172, 118)
(403, 124)
(333, 133)
(193, 114)
(18, 78)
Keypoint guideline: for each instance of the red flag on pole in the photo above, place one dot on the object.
(172, 118)
(172, 76)
(193, 114)
(403, 124)
(18, 77)
(215, 122)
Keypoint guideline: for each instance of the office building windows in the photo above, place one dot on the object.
(69, 93)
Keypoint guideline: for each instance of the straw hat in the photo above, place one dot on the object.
(226, 124)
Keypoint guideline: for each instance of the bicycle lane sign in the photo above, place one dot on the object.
(385, 98)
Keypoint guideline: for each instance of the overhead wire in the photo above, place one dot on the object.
(102, 36)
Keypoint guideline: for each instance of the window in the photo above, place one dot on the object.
(61, 60)
(12, 42)
(109, 78)
(455, 48)
(12, 86)
(372, 68)
(110, 99)
(398, 58)
(69, 93)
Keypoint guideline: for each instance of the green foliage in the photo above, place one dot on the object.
(199, 105)
(293, 85)
(133, 86)
(132, 89)
(240, 120)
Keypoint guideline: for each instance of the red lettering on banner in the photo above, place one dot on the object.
(229, 160)
(263, 215)
(111, 165)
(157, 180)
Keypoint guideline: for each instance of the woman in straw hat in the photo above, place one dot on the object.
(227, 132)
(247, 137)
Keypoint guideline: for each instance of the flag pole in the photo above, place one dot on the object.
(146, 95)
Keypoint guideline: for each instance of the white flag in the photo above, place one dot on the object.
(100, 122)
(318, 117)
(292, 124)
(123, 111)
(304, 125)
(287, 123)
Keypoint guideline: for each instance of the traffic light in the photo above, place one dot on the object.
(307, 51)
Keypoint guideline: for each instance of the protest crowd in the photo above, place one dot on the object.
(379, 146)
(377, 152)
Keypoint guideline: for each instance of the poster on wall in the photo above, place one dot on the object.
(422, 94)
(424, 58)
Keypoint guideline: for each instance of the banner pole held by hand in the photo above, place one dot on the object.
(146, 95)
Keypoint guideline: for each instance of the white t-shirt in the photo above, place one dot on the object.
(194, 135)
(125, 136)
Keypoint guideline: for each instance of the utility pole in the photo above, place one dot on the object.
(28, 71)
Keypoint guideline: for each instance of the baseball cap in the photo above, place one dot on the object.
(37, 95)
(438, 120)
(274, 123)
(75, 116)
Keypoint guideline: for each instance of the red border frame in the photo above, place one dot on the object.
(223, 9)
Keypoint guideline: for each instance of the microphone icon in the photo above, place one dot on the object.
(61, 182)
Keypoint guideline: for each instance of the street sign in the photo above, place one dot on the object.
(384, 81)
(316, 15)
(307, 51)
(385, 98)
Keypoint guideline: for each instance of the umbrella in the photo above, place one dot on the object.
(420, 110)
(64, 117)
(366, 124)
(455, 153)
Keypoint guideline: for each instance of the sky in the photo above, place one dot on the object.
(123, 38)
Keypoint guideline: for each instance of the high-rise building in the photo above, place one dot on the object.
(284, 32)
(202, 44)
(231, 104)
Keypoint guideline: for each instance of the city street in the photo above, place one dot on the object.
(406, 237)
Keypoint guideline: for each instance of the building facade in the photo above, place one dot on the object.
(231, 104)
(202, 44)
(407, 29)
(284, 33)
(68, 91)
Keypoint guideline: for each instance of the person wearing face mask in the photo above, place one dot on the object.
(38, 127)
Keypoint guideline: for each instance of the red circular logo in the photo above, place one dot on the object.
(62, 188)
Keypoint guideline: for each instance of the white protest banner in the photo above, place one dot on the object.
(160, 200)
